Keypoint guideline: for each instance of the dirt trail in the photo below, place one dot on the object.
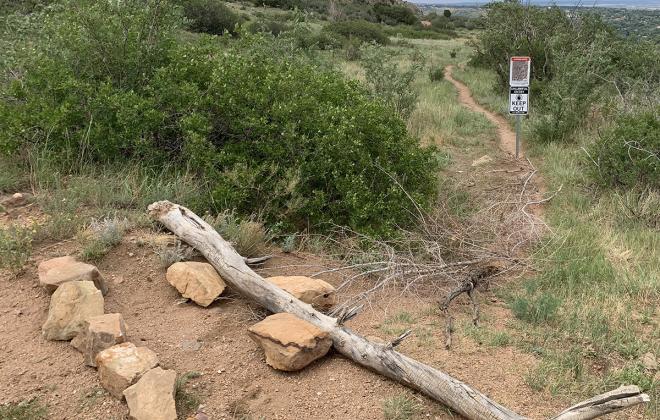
(506, 135)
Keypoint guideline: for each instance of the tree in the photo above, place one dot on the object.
(447, 13)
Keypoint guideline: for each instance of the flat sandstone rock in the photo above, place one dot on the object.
(317, 293)
(196, 280)
(71, 305)
(57, 271)
(289, 342)
(99, 333)
(122, 365)
(152, 397)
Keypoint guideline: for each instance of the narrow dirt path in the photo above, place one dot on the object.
(506, 135)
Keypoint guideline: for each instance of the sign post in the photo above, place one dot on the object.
(519, 74)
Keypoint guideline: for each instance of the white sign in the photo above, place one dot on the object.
(519, 71)
(518, 100)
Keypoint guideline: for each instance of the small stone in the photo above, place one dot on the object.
(191, 345)
(289, 342)
(122, 365)
(119, 280)
(196, 280)
(17, 200)
(152, 396)
(317, 293)
(649, 362)
(57, 271)
(482, 160)
(130, 254)
(71, 305)
(99, 333)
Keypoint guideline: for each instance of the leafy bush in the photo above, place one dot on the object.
(272, 27)
(101, 237)
(210, 16)
(436, 74)
(390, 82)
(15, 247)
(267, 129)
(393, 14)
(628, 154)
(360, 29)
(576, 61)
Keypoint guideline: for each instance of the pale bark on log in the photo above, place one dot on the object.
(609, 402)
(378, 357)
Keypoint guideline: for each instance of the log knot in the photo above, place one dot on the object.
(160, 208)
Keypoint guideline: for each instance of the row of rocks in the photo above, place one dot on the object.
(76, 313)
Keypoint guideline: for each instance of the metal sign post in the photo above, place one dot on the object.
(519, 74)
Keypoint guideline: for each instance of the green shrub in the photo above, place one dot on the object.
(360, 29)
(15, 247)
(628, 154)
(267, 130)
(393, 14)
(272, 27)
(436, 74)
(101, 237)
(210, 16)
(391, 82)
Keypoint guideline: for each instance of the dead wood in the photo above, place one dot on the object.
(381, 358)
(468, 287)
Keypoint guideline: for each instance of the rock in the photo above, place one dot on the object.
(71, 305)
(289, 342)
(196, 280)
(17, 200)
(122, 365)
(191, 345)
(649, 361)
(99, 333)
(316, 292)
(54, 272)
(152, 397)
(482, 160)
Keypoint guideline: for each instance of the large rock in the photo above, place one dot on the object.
(71, 305)
(289, 342)
(57, 271)
(196, 280)
(316, 292)
(99, 333)
(152, 397)
(122, 365)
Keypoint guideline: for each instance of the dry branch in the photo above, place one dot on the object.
(378, 357)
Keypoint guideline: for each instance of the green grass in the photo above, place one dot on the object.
(591, 311)
(397, 324)
(26, 410)
(186, 401)
(400, 407)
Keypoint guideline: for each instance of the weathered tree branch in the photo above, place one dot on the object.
(381, 358)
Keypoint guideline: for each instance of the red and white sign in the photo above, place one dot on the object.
(519, 71)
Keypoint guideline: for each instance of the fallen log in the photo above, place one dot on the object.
(381, 358)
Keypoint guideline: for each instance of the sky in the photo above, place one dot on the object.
(589, 3)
